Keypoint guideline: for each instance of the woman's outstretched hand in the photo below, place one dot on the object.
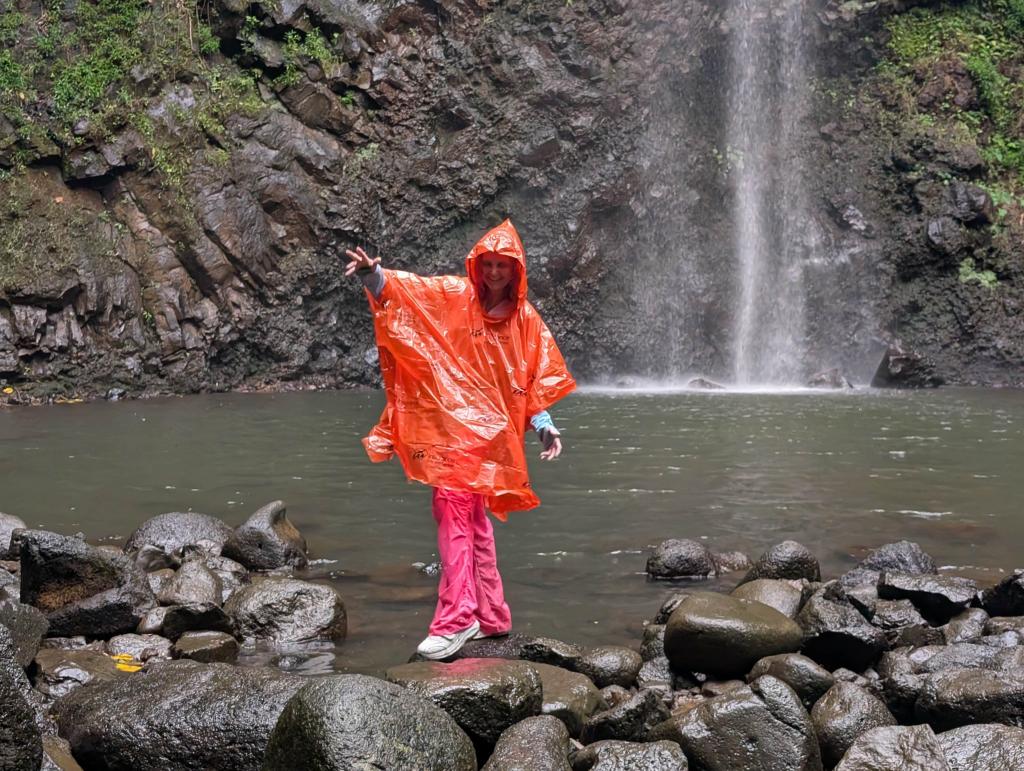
(360, 260)
(553, 449)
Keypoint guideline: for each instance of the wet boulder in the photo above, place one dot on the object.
(287, 610)
(900, 557)
(57, 755)
(807, 678)
(953, 698)
(58, 672)
(629, 720)
(655, 672)
(895, 748)
(969, 625)
(484, 696)
(612, 755)
(732, 561)
(547, 650)
(724, 636)
(669, 605)
(177, 716)
(958, 656)
(785, 596)
(1005, 598)
(141, 647)
(538, 743)
(168, 534)
(939, 598)
(568, 696)
(354, 721)
(206, 647)
(764, 727)
(986, 747)
(681, 558)
(192, 583)
(81, 589)
(653, 644)
(610, 665)
(195, 617)
(1001, 624)
(843, 714)
(788, 559)
(267, 540)
(8, 524)
(508, 647)
(837, 635)
(26, 625)
(232, 575)
(21, 746)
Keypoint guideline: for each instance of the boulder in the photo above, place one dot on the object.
(959, 656)
(939, 598)
(153, 621)
(1005, 598)
(192, 583)
(901, 692)
(732, 561)
(508, 647)
(196, 617)
(681, 558)
(764, 727)
(21, 747)
(357, 722)
(788, 559)
(1001, 624)
(669, 605)
(965, 626)
(829, 378)
(653, 644)
(26, 625)
(959, 697)
(287, 610)
(484, 696)
(837, 635)
(232, 575)
(900, 557)
(568, 696)
(610, 665)
(892, 614)
(895, 748)
(177, 716)
(986, 747)
(783, 595)
(206, 647)
(141, 647)
(168, 534)
(843, 714)
(630, 720)
(655, 672)
(8, 524)
(807, 679)
(612, 755)
(79, 588)
(546, 650)
(57, 755)
(58, 672)
(267, 540)
(724, 636)
(538, 743)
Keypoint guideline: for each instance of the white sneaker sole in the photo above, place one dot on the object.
(458, 640)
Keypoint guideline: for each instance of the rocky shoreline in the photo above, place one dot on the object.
(123, 658)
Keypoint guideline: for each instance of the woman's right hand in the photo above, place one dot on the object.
(360, 260)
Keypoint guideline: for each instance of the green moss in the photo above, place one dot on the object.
(969, 273)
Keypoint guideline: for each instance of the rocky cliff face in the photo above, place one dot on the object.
(175, 206)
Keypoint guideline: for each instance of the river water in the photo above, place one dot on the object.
(839, 472)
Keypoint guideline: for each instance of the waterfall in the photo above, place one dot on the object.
(766, 105)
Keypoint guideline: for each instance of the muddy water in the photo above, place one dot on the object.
(839, 472)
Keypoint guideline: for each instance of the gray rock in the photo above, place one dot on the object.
(653, 645)
(837, 635)
(287, 610)
(141, 647)
(988, 747)
(939, 598)
(630, 720)
(900, 557)
(57, 755)
(654, 672)
(807, 679)
(207, 647)
(763, 727)
(197, 617)
(892, 614)
(484, 696)
(780, 594)
(1001, 624)
(59, 672)
(901, 691)
(568, 696)
(546, 650)
(1004, 640)
(158, 579)
(669, 605)
(613, 695)
(79, 588)
(177, 716)
(895, 748)
(21, 746)
(724, 636)
(960, 656)
(8, 524)
(843, 714)
(267, 540)
(170, 533)
(192, 583)
(613, 755)
(538, 743)
(732, 561)
(788, 559)
(681, 558)
(1005, 598)
(954, 698)
(966, 626)
(610, 665)
(232, 575)
(356, 722)
(508, 647)
(26, 625)
(152, 622)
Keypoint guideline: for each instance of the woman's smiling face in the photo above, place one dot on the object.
(496, 271)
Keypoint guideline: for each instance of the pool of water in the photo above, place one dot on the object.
(839, 472)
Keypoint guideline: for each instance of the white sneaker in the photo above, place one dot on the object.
(481, 635)
(441, 646)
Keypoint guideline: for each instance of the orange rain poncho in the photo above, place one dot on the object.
(461, 386)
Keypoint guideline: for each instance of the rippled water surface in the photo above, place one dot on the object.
(839, 472)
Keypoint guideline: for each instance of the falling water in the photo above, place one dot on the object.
(767, 103)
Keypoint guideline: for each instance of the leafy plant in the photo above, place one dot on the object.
(969, 273)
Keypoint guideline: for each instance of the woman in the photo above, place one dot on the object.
(467, 363)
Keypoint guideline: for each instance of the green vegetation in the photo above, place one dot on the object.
(300, 48)
(969, 273)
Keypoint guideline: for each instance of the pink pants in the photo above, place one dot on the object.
(470, 586)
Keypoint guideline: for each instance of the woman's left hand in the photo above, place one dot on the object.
(553, 451)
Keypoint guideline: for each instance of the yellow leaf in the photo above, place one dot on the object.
(129, 667)
(8, 390)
